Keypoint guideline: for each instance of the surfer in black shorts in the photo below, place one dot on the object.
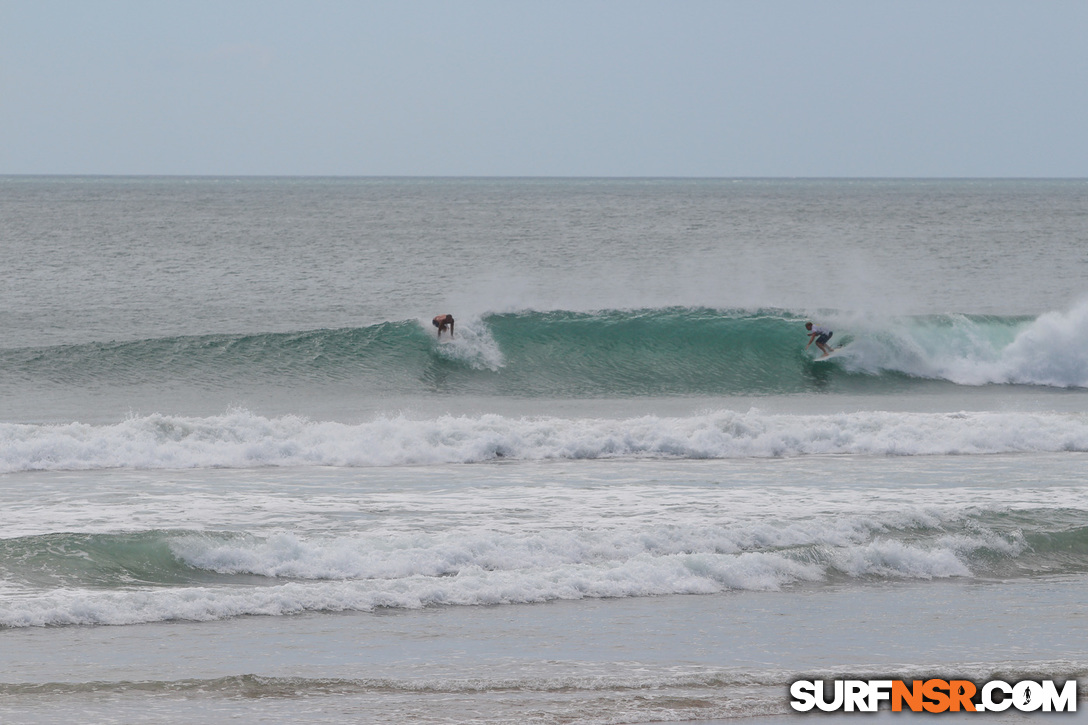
(442, 322)
(820, 336)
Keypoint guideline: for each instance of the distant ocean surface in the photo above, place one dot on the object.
(242, 480)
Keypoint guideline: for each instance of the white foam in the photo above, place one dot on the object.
(477, 546)
(888, 558)
(442, 570)
(239, 439)
(472, 345)
(1051, 350)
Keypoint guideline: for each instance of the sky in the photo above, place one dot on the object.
(598, 88)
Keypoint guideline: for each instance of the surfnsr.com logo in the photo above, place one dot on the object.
(933, 695)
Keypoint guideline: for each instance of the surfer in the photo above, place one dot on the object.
(819, 335)
(442, 322)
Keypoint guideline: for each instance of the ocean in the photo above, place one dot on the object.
(243, 480)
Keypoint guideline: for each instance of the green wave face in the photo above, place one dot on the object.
(660, 352)
(663, 352)
(103, 561)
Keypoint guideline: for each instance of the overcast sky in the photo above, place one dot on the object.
(545, 87)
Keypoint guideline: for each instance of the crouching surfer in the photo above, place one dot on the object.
(443, 322)
(819, 335)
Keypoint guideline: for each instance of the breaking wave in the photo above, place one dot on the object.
(672, 351)
(157, 575)
(240, 439)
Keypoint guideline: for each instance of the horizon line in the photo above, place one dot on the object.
(536, 177)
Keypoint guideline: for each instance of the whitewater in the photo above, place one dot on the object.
(241, 477)
(240, 439)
